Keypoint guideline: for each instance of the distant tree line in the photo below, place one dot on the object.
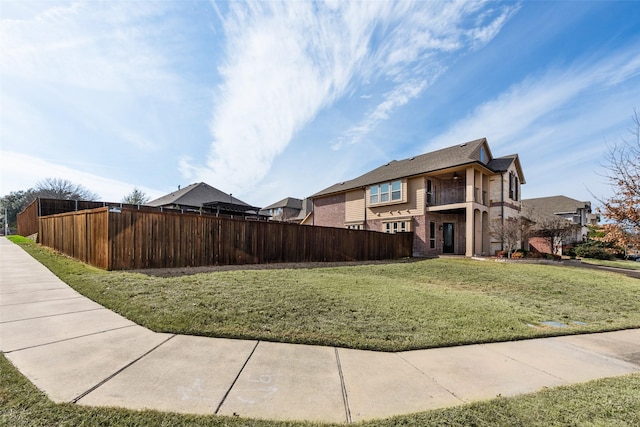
(53, 188)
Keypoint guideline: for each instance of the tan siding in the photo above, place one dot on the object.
(416, 193)
(413, 194)
(354, 206)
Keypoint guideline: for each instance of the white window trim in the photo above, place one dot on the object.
(433, 230)
(354, 226)
(377, 192)
(388, 227)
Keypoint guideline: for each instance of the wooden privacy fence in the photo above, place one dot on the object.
(121, 239)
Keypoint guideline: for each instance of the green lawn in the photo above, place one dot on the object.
(606, 402)
(388, 307)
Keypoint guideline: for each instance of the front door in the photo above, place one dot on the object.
(447, 238)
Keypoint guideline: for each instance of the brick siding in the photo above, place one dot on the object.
(329, 211)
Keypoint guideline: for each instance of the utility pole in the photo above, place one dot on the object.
(6, 223)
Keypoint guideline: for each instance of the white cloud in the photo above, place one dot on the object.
(21, 172)
(288, 61)
(101, 46)
(85, 80)
(523, 110)
(92, 45)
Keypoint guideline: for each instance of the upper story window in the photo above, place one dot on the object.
(385, 193)
(431, 193)
(514, 187)
(483, 155)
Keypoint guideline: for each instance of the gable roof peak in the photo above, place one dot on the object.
(196, 195)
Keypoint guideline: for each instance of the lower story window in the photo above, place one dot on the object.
(396, 226)
(355, 227)
(432, 235)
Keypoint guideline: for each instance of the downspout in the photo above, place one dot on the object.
(364, 225)
(502, 207)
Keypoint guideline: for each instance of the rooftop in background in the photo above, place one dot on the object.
(289, 202)
(197, 195)
(555, 205)
(559, 206)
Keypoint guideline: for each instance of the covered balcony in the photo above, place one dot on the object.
(451, 196)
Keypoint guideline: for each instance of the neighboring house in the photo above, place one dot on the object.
(284, 210)
(305, 216)
(447, 198)
(290, 210)
(201, 197)
(575, 212)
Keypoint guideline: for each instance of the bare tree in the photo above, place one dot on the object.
(623, 166)
(557, 230)
(511, 232)
(136, 197)
(58, 188)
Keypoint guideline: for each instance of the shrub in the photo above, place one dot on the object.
(593, 250)
(570, 251)
(520, 253)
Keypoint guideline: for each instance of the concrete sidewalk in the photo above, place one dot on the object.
(77, 351)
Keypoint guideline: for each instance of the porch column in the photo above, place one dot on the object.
(477, 219)
(470, 181)
(486, 234)
(469, 230)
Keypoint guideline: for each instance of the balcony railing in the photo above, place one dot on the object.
(446, 197)
(480, 196)
(455, 195)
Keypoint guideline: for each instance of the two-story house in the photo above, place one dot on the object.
(286, 210)
(447, 198)
(576, 212)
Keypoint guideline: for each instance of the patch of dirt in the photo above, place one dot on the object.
(187, 271)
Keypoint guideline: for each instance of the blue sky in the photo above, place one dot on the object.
(267, 100)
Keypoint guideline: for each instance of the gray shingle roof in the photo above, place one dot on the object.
(458, 155)
(195, 195)
(289, 202)
(553, 205)
(501, 164)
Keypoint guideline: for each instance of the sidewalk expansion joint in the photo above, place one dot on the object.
(68, 339)
(224, 398)
(22, 291)
(42, 301)
(120, 370)
(345, 396)
(53, 315)
(451, 392)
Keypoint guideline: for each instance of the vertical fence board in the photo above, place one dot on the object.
(138, 239)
